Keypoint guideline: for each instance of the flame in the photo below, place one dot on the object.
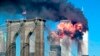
(61, 26)
(70, 27)
(66, 25)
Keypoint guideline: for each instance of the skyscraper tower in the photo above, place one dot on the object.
(2, 44)
(85, 44)
(54, 40)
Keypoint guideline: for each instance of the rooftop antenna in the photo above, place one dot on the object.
(82, 8)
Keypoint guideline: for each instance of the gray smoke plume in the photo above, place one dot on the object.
(55, 10)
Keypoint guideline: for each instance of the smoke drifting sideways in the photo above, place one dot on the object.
(54, 10)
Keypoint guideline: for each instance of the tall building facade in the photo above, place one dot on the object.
(52, 53)
(2, 44)
(55, 48)
(84, 45)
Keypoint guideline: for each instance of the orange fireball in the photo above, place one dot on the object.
(61, 26)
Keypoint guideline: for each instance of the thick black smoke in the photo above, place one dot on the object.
(49, 9)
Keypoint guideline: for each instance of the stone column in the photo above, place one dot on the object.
(27, 27)
(39, 42)
(24, 40)
(13, 28)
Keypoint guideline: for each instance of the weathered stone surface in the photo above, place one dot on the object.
(25, 29)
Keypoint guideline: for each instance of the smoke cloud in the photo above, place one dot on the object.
(55, 10)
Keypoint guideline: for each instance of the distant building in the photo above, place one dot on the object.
(55, 49)
(2, 44)
(85, 44)
(31, 54)
(52, 53)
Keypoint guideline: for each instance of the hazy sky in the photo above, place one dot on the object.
(91, 10)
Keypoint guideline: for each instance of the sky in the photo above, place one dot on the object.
(91, 10)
